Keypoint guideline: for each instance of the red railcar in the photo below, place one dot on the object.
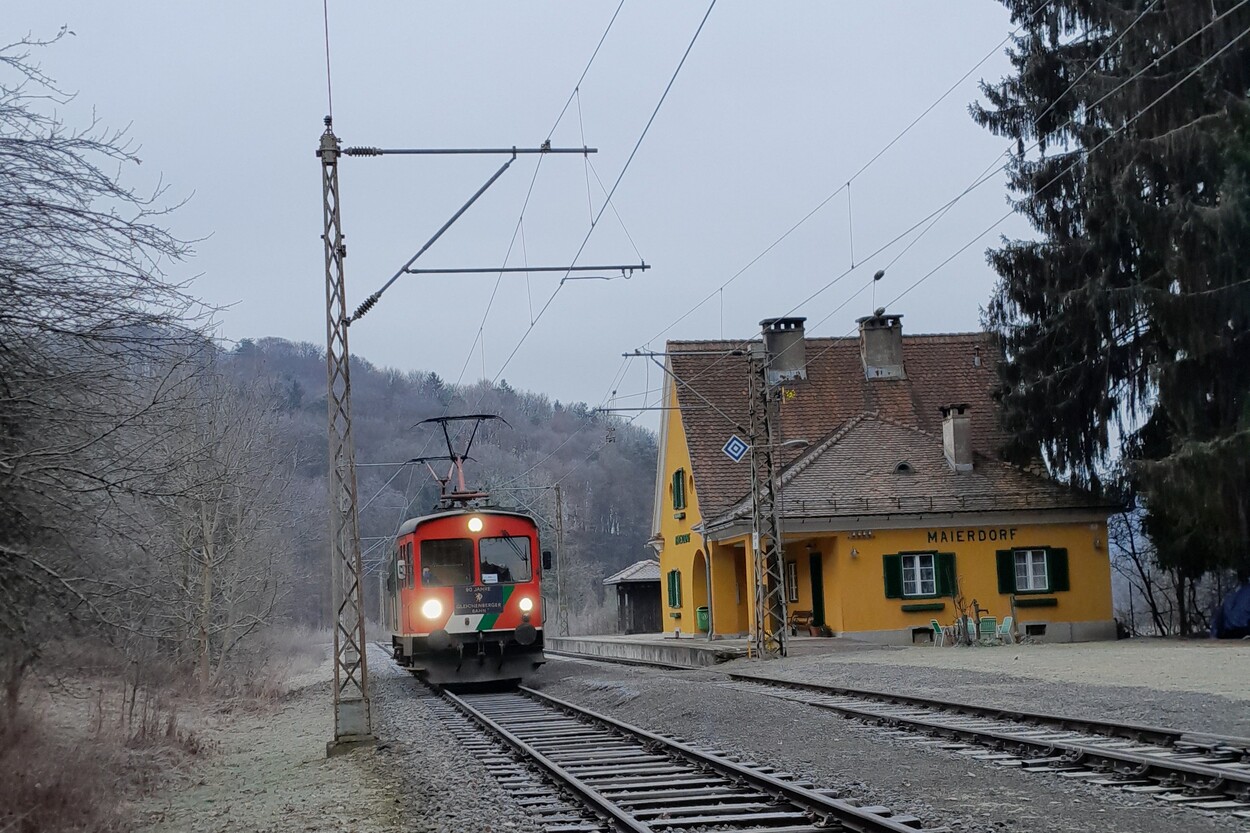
(464, 596)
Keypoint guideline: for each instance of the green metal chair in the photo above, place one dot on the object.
(1006, 633)
(988, 631)
(939, 635)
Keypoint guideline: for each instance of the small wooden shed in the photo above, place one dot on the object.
(637, 597)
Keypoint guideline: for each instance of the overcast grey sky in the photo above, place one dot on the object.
(777, 106)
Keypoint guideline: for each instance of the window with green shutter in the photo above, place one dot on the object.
(679, 489)
(1032, 570)
(919, 575)
(674, 588)
(892, 566)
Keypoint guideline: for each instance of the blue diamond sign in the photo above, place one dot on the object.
(735, 449)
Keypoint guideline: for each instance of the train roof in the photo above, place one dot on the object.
(411, 524)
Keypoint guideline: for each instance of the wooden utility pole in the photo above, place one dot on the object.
(562, 612)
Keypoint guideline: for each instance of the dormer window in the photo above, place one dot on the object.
(903, 467)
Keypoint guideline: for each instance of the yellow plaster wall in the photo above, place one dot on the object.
(859, 582)
(674, 556)
(729, 604)
(831, 548)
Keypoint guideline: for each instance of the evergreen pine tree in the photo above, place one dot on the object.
(1125, 321)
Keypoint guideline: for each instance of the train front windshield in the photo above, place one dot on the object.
(447, 562)
(505, 560)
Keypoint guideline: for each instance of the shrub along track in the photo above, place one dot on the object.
(1205, 771)
(577, 771)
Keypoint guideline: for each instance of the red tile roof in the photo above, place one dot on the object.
(856, 472)
(940, 370)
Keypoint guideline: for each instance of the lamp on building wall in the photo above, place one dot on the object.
(1097, 543)
(854, 553)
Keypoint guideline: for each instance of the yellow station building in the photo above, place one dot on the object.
(895, 505)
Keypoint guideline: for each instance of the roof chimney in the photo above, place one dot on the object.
(787, 358)
(881, 345)
(957, 436)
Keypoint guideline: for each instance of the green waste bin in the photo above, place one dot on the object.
(701, 618)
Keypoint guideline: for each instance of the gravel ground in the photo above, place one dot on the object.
(441, 789)
(1200, 686)
(940, 787)
(268, 771)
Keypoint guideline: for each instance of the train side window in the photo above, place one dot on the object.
(401, 566)
(505, 560)
(411, 566)
(447, 562)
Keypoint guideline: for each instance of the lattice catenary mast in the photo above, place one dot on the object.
(352, 720)
(353, 723)
(769, 628)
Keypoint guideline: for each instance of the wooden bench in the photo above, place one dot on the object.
(801, 619)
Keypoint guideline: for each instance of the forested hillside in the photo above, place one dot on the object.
(606, 485)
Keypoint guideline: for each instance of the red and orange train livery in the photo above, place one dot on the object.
(464, 601)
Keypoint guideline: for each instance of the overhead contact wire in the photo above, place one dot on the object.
(615, 185)
(991, 171)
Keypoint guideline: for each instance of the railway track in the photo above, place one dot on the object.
(1204, 771)
(577, 771)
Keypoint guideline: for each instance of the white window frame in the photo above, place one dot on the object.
(792, 581)
(914, 581)
(1036, 574)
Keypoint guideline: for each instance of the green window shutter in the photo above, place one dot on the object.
(1006, 572)
(944, 563)
(674, 588)
(1057, 569)
(679, 489)
(892, 565)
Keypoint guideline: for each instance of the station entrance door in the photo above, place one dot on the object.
(818, 588)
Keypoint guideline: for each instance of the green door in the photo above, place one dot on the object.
(818, 589)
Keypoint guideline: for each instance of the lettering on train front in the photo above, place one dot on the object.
(473, 599)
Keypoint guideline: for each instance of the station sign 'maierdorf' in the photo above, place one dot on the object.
(971, 535)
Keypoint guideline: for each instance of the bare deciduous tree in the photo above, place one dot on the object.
(89, 324)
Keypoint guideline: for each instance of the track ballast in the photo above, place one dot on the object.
(1207, 772)
(577, 771)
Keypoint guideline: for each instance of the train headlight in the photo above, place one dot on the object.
(432, 609)
(526, 605)
(475, 524)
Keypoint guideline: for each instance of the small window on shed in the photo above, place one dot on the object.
(903, 467)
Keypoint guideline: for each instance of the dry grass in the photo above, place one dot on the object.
(84, 745)
(50, 784)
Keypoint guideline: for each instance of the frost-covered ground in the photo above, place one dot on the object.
(269, 771)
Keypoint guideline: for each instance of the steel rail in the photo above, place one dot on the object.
(823, 806)
(1117, 729)
(1233, 781)
(584, 791)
